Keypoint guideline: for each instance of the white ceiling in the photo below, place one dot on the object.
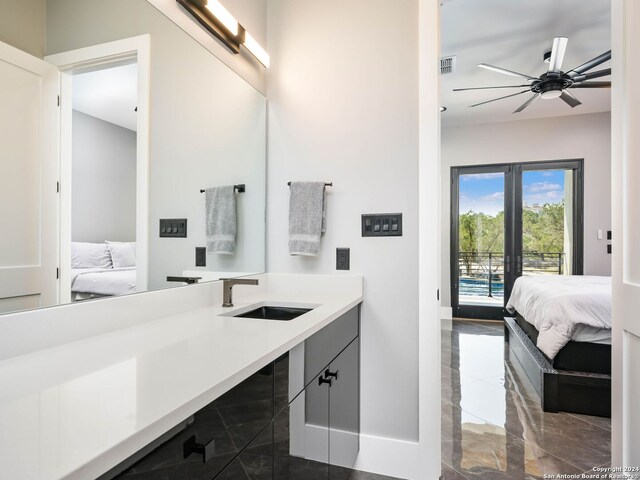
(514, 34)
(109, 94)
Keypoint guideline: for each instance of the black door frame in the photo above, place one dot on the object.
(513, 226)
(479, 311)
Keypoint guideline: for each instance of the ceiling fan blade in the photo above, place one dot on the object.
(594, 62)
(487, 88)
(505, 71)
(500, 98)
(592, 85)
(572, 101)
(557, 54)
(527, 103)
(591, 75)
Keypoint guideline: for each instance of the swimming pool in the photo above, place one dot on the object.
(479, 287)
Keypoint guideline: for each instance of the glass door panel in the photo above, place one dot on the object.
(548, 222)
(481, 266)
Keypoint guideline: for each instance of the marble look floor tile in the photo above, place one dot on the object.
(479, 450)
(448, 473)
(601, 422)
(507, 401)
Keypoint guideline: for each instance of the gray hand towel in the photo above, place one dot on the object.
(221, 219)
(307, 217)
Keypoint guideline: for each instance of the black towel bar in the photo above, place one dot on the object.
(330, 184)
(240, 188)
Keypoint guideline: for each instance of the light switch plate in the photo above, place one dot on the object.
(382, 225)
(173, 228)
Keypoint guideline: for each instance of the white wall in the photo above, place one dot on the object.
(559, 138)
(208, 128)
(103, 181)
(22, 25)
(343, 107)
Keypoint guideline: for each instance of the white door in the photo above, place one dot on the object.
(29, 169)
(626, 239)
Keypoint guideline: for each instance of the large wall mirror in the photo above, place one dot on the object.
(150, 174)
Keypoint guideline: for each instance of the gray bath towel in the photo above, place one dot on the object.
(221, 219)
(307, 217)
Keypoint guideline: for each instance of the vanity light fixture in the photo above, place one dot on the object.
(218, 21)
(223, 15)
(256, 50)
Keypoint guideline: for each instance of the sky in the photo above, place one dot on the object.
(484, 192)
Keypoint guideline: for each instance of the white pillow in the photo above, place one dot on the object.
(123, 254)
(90, 255)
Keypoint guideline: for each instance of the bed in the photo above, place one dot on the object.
(102, 269)
(559, 331)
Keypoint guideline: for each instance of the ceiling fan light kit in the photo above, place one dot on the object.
(554, 83)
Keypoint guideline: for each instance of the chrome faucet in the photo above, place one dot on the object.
(228, 284)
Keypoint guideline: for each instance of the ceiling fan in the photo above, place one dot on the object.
(554, 83)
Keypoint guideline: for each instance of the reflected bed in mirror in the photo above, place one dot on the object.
(140, 131)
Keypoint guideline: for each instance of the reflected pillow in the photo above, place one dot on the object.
(90, 255)
(123, 254)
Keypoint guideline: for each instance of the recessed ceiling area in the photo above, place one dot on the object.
(515, 35)
(110, 94)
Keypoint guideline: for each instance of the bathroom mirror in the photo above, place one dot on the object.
(120, 209)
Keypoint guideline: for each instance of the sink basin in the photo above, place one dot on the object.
(275, 313)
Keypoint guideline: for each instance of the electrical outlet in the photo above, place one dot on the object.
(201, 257)
(342, 259)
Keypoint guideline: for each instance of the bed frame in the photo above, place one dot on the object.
(560, 390)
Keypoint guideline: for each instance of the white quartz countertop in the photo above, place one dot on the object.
(76, 410)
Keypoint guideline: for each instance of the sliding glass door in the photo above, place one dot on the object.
(511, 220)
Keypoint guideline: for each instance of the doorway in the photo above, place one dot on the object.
(511, 220)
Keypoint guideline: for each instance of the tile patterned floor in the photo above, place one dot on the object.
(492, 423)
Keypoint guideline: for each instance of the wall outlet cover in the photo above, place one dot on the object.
(343, 260)
(201, 256)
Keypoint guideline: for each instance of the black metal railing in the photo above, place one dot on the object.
(482, 273)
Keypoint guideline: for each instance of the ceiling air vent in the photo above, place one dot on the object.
(447, 64)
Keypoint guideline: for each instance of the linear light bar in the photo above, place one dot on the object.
(256, 50)
(223, 15)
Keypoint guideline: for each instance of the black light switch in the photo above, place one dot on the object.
(173, 227)
(382, 225)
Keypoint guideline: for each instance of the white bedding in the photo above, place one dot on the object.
(104, 281)
(564, 308)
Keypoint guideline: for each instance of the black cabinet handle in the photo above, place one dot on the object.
(329, 374)
(191, 445)
(322, 380)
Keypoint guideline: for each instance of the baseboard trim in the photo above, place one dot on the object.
(446, 313)
(389, 456)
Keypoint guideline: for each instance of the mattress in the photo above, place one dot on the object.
(564, 308)
(104, 281)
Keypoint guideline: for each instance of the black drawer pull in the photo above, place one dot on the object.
(324, 380)
(191, 445)
(329, 374)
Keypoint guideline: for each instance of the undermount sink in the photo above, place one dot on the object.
(274, 313)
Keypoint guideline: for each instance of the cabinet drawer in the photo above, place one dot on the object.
(321, 348)
(221, 429)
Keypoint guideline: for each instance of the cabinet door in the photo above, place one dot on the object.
(301, 435)
(255, 461)
(344, 408)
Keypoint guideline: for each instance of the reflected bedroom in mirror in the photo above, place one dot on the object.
(136, 162)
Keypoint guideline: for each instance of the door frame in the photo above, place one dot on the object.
(513, 226)
(83, 60)
(479, 311)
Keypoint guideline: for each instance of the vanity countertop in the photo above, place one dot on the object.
(78, 409)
